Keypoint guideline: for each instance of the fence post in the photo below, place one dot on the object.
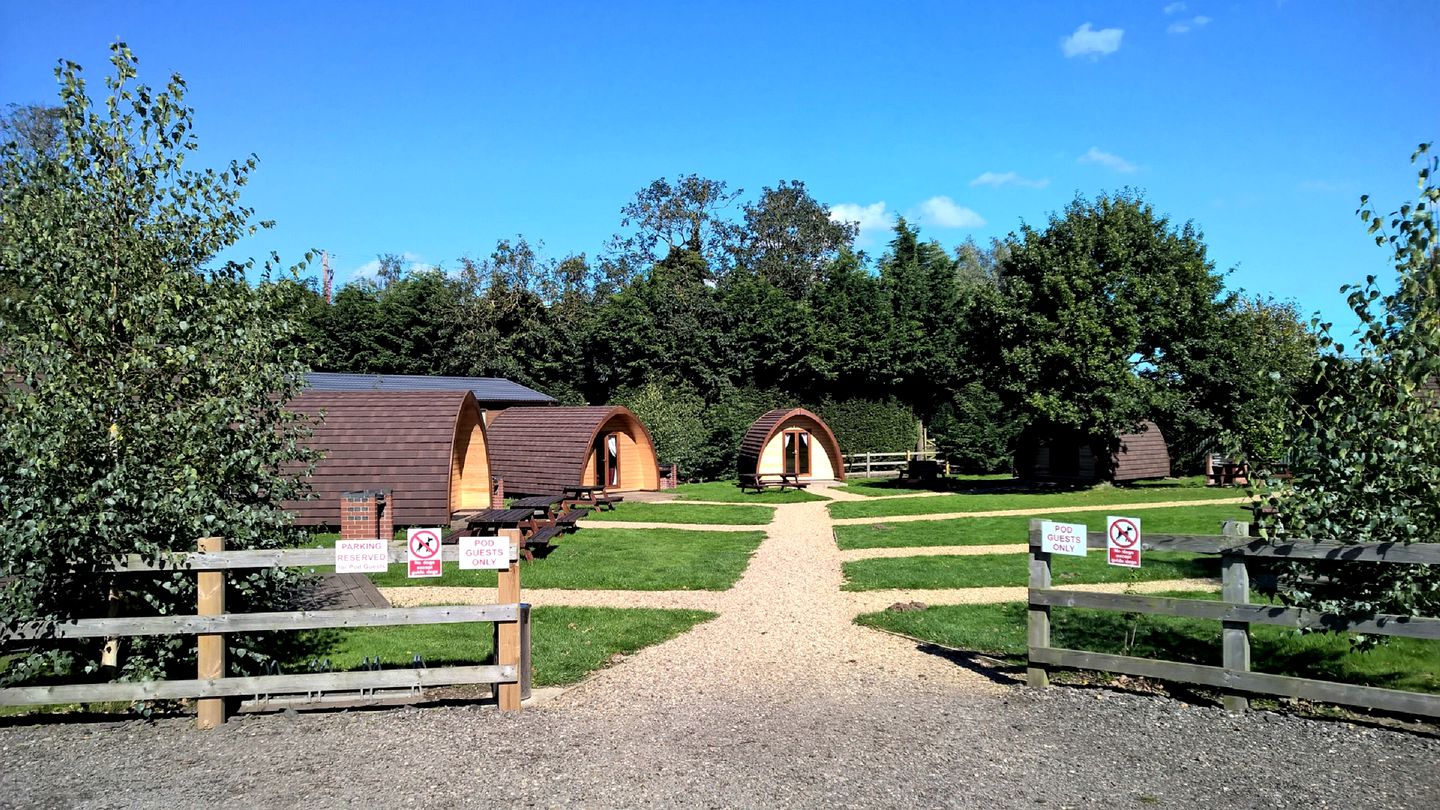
(1235, 636)
(1038, 626)
(210, 648)
(507, 652)
(867, 465)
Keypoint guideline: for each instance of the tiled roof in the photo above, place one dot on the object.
(488, 390)
(396, 440)
(538, 451)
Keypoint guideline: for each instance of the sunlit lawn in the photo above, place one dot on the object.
(688, 513)
(1181, 490)
(1197, 519)
(999, 629)
(932, 571)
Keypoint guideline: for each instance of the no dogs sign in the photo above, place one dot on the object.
(423, 552)
(1122, 541)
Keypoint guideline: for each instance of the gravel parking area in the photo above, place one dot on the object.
(780, 701)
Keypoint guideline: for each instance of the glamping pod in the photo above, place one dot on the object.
(537, 451)
(427, 448)
(785, 440)
(1140, 455)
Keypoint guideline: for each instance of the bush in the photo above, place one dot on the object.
(974, 433)
(869, 426)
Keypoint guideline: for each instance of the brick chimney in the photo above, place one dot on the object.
(497, 495)
(366, 514)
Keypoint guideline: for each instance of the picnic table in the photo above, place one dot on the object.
(493, 519)
(585, 495)
(919, 469)
(763, 481)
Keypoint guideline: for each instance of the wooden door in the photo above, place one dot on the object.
(607, 460)
(796, 447)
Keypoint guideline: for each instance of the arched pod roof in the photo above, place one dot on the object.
(539, 450)
(762, 430)
(422, 446)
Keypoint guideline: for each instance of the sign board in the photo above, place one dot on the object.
(1062, 538)
(361, 556)
(484, 552)
(1122, 541)
(423, 552)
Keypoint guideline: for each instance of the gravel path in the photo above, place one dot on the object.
(1048, 510)
(780, 701)
(869, 601)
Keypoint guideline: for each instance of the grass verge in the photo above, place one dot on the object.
(690, 513)
(567, 643)
(1036, 499)
(1197, 519)
(617, 559)
(727, 492)
(999, 630)
(890, 485)
(1001, 570)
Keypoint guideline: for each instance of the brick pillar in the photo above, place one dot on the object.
(497, 495)
(366, 514)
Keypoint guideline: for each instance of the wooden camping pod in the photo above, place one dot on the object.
(763, 450)
(1140, 455)
(428, 449)
(539, 450)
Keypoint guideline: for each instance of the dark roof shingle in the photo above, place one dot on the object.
(487, 390)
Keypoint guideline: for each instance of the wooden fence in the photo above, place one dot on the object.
(1235, 613)
(211, 686)
(871, 465)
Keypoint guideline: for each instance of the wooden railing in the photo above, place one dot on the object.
(869, 465)
(211, 623)
(1235, 613)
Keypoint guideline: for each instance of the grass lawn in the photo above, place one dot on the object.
(684, 513)
(729, 493)
(1101, 495)
(1198, 519)
(1403, 663)
(567, 643)
(890, 485)
(617, 559)
(998, 570)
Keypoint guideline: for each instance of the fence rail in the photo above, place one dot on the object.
(1235, 613)
(211, 623)
(865, 465)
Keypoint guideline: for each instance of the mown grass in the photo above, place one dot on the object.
(999, 630)
(567, 643)
(891, 486)
(1198, 519)
(1036, 499)
(690, 513)
(1001, 570)
(727, 492)
(617, 559)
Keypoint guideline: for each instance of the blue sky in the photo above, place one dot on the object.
(435, 129)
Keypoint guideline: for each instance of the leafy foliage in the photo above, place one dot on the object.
(143, 392)
(1367, 451)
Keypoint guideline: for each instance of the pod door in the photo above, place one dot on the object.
(607, 460)
(796, 448)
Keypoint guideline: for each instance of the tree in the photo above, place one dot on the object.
(1366, 454)
(32, 128)
(665, 218)
(143, 390)
(1102, 317)
(391, 269)
(789, 239)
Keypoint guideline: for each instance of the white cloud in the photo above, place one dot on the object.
(1187, 25)
(1086, 41)
(1174, 8)
(1008, 179)
(1109, 161)
(871, 219)
(943, 212)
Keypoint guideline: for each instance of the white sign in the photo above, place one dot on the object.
(361, 556)
(423, 550)
(1122, 541)
(1062, 538)
(484, 552)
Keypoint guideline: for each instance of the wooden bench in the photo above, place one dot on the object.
(920, 470)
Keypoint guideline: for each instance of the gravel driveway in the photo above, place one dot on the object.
(780, 701)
